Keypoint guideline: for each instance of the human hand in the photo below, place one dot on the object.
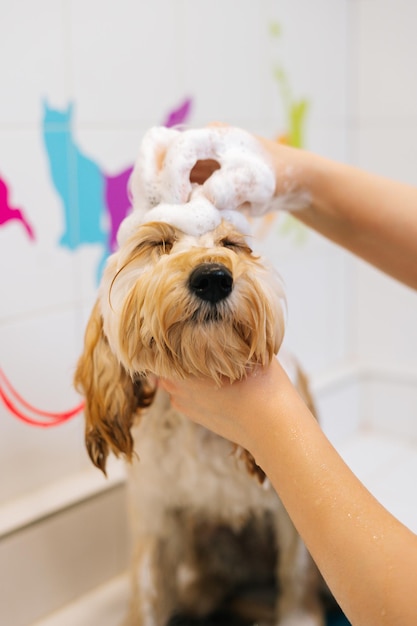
(238, 411)
(232, 167)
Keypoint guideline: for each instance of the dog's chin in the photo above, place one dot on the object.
(211, 344)
(209, 314)
(182, 338)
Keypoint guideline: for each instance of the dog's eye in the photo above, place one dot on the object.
(158, 246)
(235, 244)
(164, 246)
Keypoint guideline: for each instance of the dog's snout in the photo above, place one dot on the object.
(211, 282)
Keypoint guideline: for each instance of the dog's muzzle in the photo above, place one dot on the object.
(211, 282)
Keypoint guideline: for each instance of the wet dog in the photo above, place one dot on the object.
(209, 531)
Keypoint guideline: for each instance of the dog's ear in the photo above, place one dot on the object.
(252, 467)
(111, 396)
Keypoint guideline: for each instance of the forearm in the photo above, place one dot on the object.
(367, 557)
(369, 215)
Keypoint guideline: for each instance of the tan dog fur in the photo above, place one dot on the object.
(205, 529)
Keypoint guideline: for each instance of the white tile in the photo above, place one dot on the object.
(369, 454)
(62, 493)
(40, 352)
(383, 318)
(32, 58)
(105, 606)
(314, 48)
(328, 140)
(33, 457)
(339, 408)
(224, 60)
(38, 356)
(387, 466)
(114, 149)
(37, 273)
(392, 407)
(229, 56)
(388, 149)
(313, 272)
(386, 47)
(45, 566)
(125, 60)
(395, 488)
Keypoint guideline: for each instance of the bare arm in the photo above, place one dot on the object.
(368, 558)
(373, 217)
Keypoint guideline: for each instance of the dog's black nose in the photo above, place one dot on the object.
(211, 282)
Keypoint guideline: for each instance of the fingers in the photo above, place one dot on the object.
(231, 166)
(183, 153)
(247, 181)
(166, 384)
(202, 170)
(146, 184)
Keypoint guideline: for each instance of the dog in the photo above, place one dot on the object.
(210, 534)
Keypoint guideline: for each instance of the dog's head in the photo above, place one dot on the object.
(173, 305)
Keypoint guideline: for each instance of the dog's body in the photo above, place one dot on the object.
(208, 529)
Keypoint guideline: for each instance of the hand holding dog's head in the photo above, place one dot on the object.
(174, 305)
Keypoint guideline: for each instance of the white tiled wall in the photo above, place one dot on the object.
(47, 565)
(383, 134)
(124, 65)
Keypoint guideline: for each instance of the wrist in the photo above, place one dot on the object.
(295, 172)
(313, 180)
(267, 393)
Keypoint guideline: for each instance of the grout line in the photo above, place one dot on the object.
(28, 524)
(351, 371)
(52, 309)
(63, 495)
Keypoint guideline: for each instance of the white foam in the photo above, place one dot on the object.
(196, 217)
(160, 184)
